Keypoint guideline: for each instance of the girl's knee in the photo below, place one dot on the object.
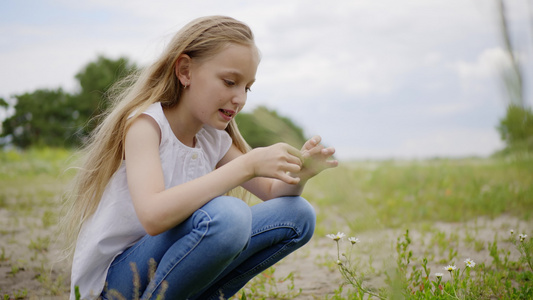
(302, 214)
(306, 215)
(231, 210)
(231, 222)
(302, 210)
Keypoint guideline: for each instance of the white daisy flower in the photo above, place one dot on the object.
(470, 263)
(337, 236)
(522, 237)
(353, 240)
(450, 268)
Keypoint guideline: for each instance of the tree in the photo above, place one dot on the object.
(265, 127)
(516, 127)
(41, 118)
(56, 118)
(95, 79)
(513, 76)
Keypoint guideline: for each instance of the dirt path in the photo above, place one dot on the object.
(27, 252)
(316, 273)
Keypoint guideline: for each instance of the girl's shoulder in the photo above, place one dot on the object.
(155, 111)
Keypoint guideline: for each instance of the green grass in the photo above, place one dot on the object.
(378, 198)
(31, 184)
(392, 196)
(412, 276)
(389, 194)
(33, 163)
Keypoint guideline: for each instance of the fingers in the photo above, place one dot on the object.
(331, 163)
(290, 154)
(289, 163)
(316, 159)
(328, 151)
(311, 143)
(281, 160)
(285, 177)
(295, 155)
(294, 161)
(312, 152)
(288, 168)
(292, 168)
(319, 151)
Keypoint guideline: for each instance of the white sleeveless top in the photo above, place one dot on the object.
(114, 226)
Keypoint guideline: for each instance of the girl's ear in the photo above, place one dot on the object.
(182, 69)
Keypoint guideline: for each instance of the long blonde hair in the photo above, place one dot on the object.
(104, 151)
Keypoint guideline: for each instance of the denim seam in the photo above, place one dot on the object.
(273, 256)
(188, 252)
(277, 226)
(143, 240)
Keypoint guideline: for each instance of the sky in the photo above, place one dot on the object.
(377, 79)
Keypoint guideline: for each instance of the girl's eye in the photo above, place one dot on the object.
(229, 82)
(248, 89)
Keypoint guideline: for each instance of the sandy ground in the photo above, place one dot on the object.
(317, 275)
(28, 254)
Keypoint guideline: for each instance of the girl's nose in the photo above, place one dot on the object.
(240, 98)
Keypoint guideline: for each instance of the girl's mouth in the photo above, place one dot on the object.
(226, 114)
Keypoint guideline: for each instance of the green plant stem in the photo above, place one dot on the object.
(453, 286)
(338, 251)
(348, 275)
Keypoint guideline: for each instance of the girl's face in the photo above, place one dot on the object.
(218, 85)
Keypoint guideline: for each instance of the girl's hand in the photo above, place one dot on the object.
(315, 158)
(276, 161)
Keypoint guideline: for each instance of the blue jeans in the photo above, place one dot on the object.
(213, 253)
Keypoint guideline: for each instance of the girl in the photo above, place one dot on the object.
(148, 212)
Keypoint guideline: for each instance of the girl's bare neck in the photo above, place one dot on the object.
(182, 125)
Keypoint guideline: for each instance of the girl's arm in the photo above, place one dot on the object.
(158, 209)
(314, 160)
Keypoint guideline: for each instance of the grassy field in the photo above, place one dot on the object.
(412, 218)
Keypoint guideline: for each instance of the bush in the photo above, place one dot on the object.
(516, 129)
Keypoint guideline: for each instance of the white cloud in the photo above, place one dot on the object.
(386, 66)
(487, 65)
(453, 142)
(443, 143)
